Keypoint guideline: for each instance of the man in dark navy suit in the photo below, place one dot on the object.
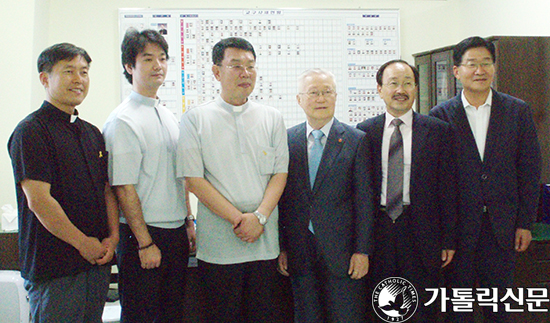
(411, 171)
(498, 160)
(325, 229)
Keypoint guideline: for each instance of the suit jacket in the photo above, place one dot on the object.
(433, 208)
(335, 205)
(507, 180)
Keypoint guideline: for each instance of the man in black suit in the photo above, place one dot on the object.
(324, 225)
(413, 183)
(498, 160)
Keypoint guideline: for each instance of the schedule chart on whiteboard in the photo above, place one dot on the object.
(352, 44)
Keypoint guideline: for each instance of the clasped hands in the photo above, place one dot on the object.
(98, 252)
(247, 227)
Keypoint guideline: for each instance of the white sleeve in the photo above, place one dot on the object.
(189, 161)
(280, 143)
(125, 153)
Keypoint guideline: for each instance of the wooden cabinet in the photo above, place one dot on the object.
(435, 71)
(522, 69)
(444, 80)
(533, 270)
(424, 100)
(533, 266)
(9, 251)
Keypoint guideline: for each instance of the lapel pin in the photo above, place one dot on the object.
(100, 154)
(340, 140)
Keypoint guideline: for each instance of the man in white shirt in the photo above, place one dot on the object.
(234, 156)
(141, 137)
(411, 171)
(498, 160)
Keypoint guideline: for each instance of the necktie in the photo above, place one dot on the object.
(314, 160)
(315, 155)
(394, 193)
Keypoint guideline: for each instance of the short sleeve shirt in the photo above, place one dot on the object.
(46, 146)
(141, 137)
(237, 149)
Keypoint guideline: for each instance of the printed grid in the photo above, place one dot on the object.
(351, 44)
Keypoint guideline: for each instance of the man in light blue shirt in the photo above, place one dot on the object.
(141, 137)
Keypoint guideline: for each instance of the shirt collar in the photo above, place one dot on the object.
(407, 118)
(143, 100)
(230, 107)
(325, 129)
(58, 114)
(488, 102)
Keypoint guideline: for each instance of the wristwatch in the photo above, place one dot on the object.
(262, 218)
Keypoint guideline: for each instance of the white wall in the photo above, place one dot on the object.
(29, 26)
(506, 17)
(16, 66)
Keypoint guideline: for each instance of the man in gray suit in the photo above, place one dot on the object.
(324, 226)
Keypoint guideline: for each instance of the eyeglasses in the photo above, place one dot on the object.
(474, 66)
(407, 85)
(240, 68)
(316, 94)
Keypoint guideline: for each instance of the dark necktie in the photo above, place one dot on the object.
(394, 193)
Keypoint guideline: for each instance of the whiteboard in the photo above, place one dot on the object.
(352, 44)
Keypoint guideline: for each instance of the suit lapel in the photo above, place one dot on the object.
(378, 133)
(494, 130)
(419, 138)
(465, 131)
(419, 134)
(333, 146)
(299, 148)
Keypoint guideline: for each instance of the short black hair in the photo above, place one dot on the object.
(134, 43)
(472, 42)
(59, 52)
(380, 73)
(233, 42)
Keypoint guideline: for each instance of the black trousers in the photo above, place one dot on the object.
(239, 293)
(397, 254)
(320, 296)
(490, 266)
(153, 295)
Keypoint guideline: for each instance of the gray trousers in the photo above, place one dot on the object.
(72, 299)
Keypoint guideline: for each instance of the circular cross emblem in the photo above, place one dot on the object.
(394, 299)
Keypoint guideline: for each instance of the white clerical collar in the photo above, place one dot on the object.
(144, 100)
(74, 116)
(230, 107)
